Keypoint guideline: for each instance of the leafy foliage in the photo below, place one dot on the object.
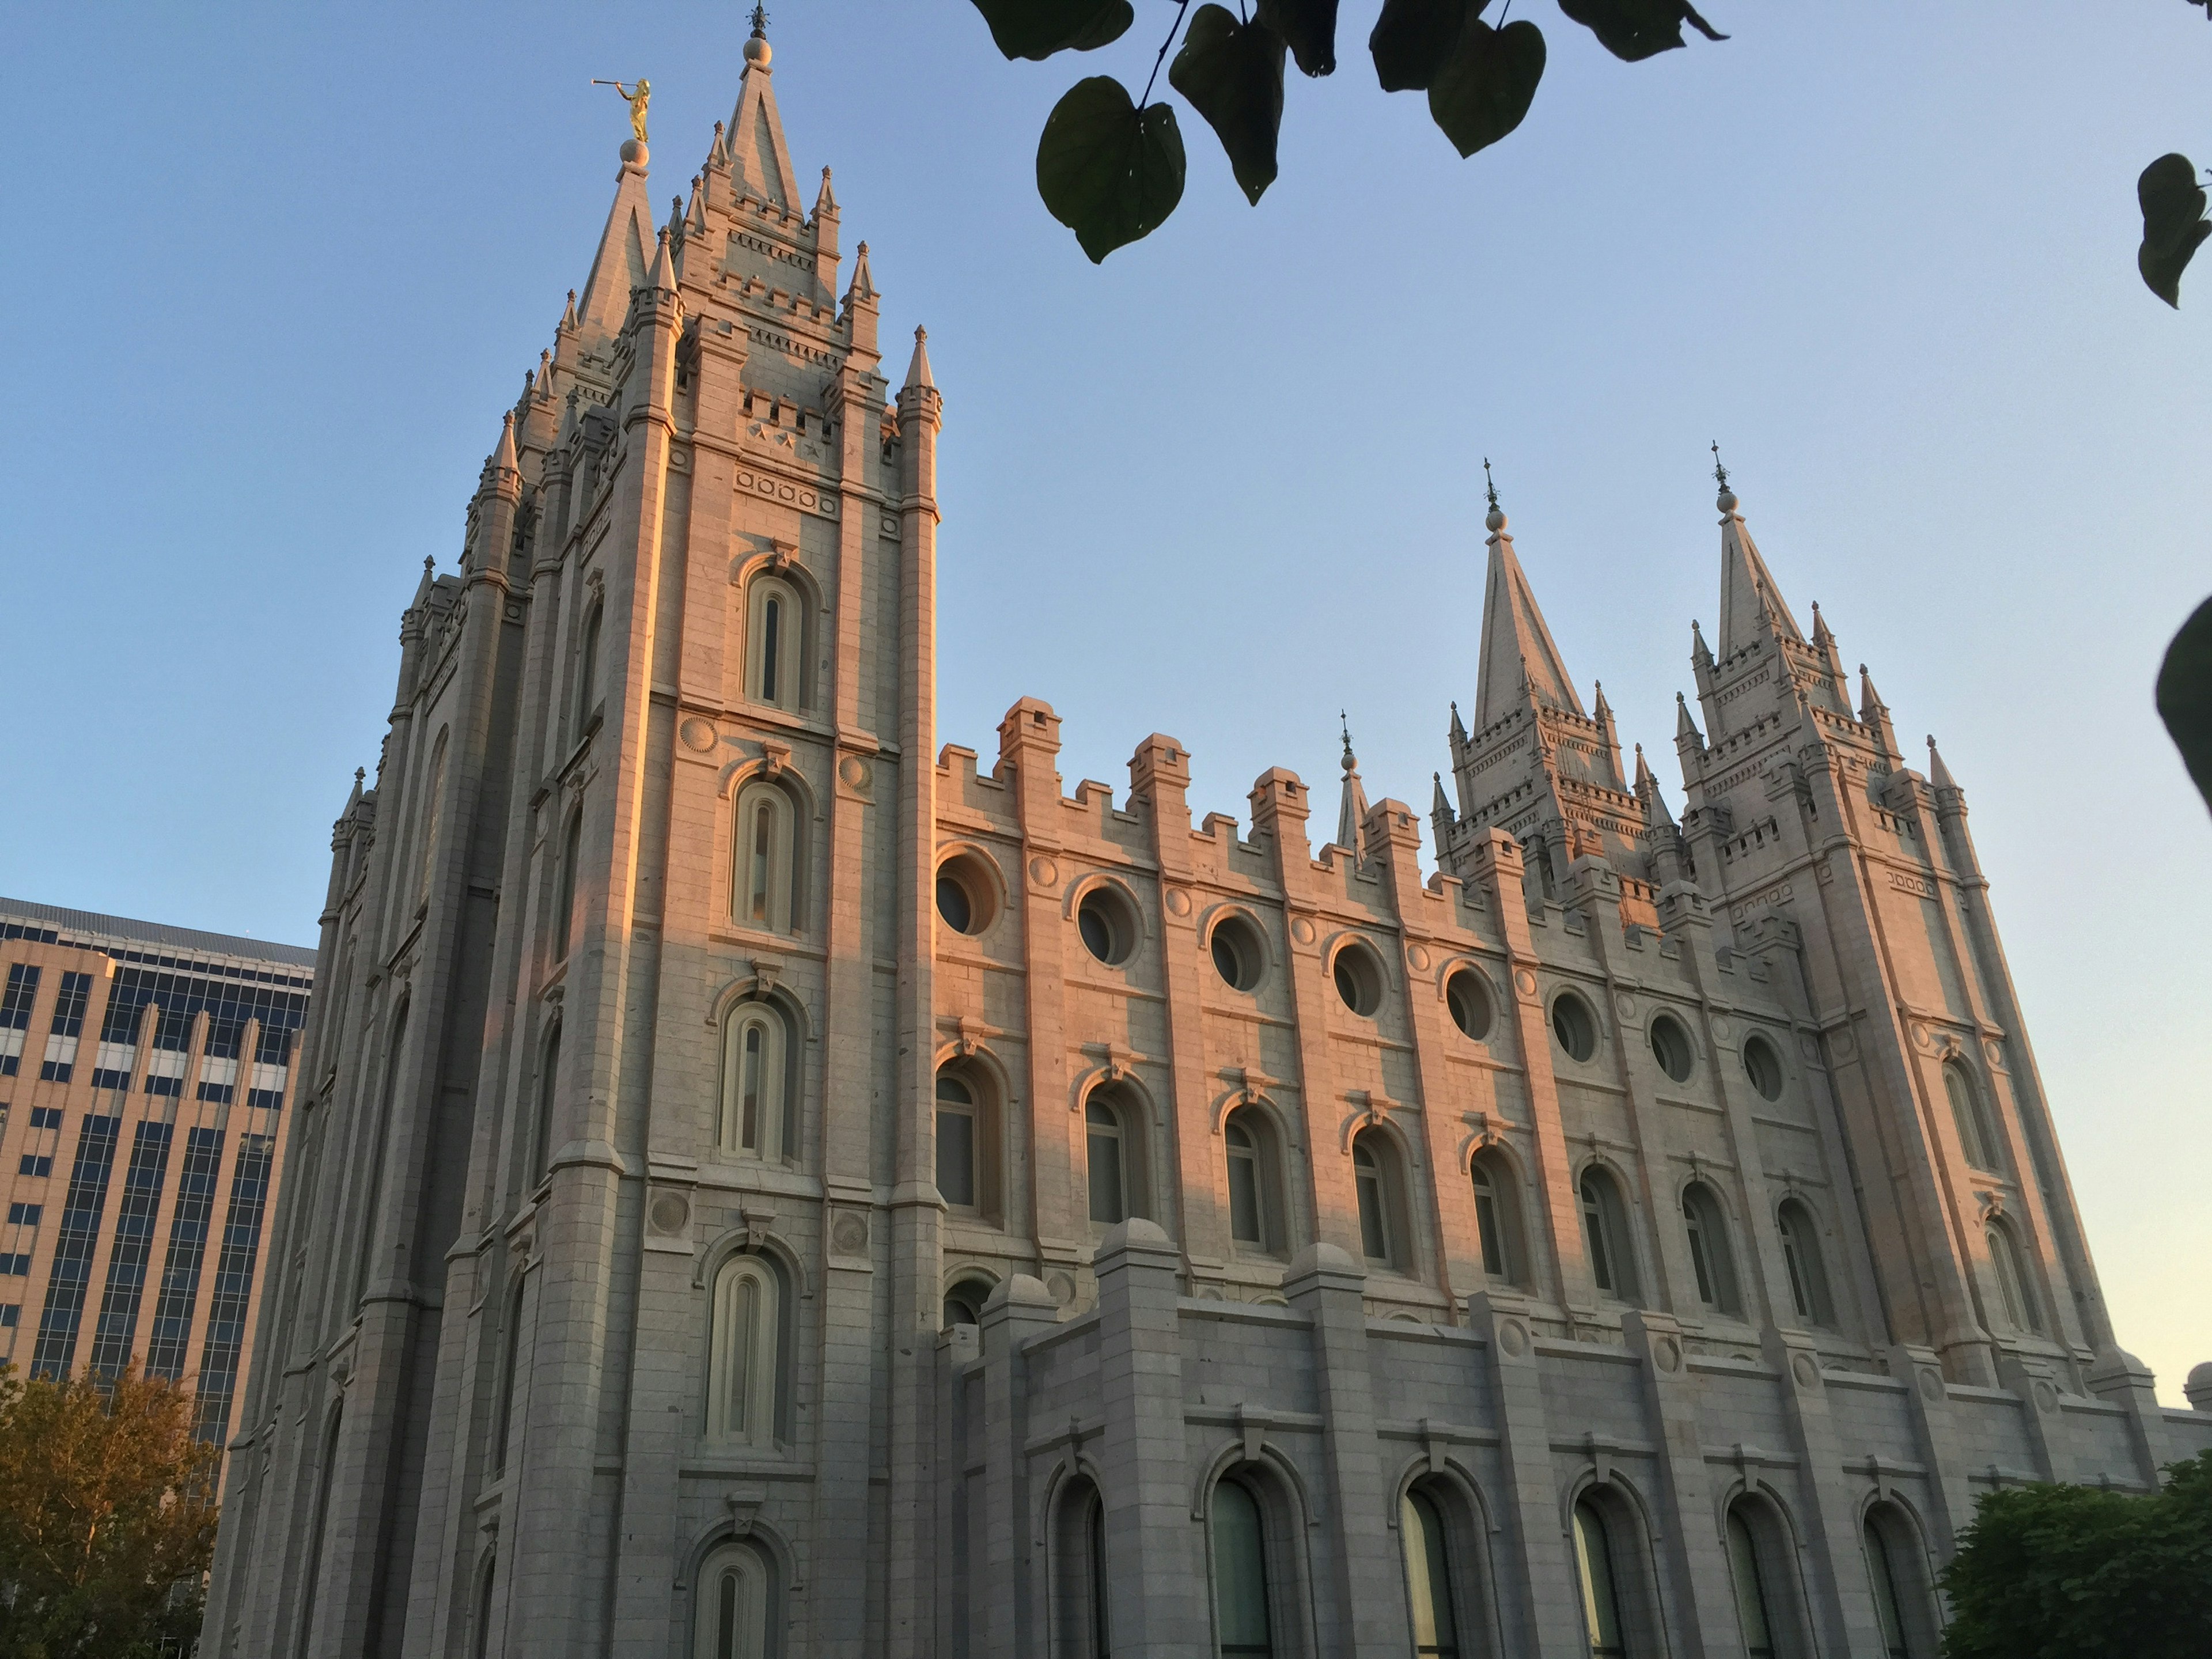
(2184, 696)
(2174, 226)
(1232, 73)
(1632, 30)
(1106, 169)
(1035, 29)
(1110, 167)
(1482, 90)
(105, 1523)
(2073, 1572)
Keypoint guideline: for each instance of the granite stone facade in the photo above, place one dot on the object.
(769, 1185)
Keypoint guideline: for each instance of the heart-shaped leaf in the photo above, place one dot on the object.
(1632, 30)
(1035, 29)
(1232, 73)
(2173, 224)
(1109, 171)
(1412, 39)
(1310, 25)
(2184, 696)
(1485, 86)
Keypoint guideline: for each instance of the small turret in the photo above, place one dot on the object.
(1938, 773)
(918, 377)
(1352, 814)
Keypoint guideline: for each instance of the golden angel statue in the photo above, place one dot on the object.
(637, 100)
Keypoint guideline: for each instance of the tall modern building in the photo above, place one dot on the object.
(145, 1072)
(768, 1185)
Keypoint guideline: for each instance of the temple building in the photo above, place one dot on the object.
(145, 1073)
(768, 1184)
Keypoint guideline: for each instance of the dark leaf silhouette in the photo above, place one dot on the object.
(1310, 25)
(1484, 87)
(2184, 696)
(1109, 171)
(1035, 29)
(1232, 73)
(1412, 39)
(1636, 29)
(2173, 224)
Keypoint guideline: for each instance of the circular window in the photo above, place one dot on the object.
(1763, 1066)
(1671, 1044)
(1575, 1026)
(1359, 981)
(1238, 955)
(1108, 930)
(967, 897)
(1470, 1003)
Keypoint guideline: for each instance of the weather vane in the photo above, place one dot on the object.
(637, 100)
(1720, 472)
(1489, 487)
(760, 22)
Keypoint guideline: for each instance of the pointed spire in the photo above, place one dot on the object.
(429, 579)
(353, 800)
(619, 265)
(1870, 703)
(1751, 603)
(1938, 773)
(825, 201)
(694, 215)
(760, 159)
(864, 282)
(1458, 729)
(1656, 815)
(663, 274)
(503, 459)
(1519, 660)
(917, 369)
(1699, 651)
(1441, 807)
(717, 153)
(541, 386)
(1352, 816)
(1684, 726)
(1601, 710)
(1821, 636)
(568, 324)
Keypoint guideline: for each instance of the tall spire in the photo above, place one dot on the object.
(1352, 816)
(1938, 773)
(1647, 791)
(620, 264)
(760, 161)
(917, 369)
(1518, 657)
(1750, 605)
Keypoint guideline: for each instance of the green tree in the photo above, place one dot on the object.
(107, 1522)
(2075, 1572)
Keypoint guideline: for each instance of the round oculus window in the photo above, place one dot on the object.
(1236, 953)
(952, 903)
(1358, 981)
(1670, 1046)
(1469, 1004)
(1103, 920)
(967, 898)
(1574, 1025)
(1763, 1067)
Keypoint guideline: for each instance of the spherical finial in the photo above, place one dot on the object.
(1726, 501)
(634, 154)
(757, 51)
(1493, 520)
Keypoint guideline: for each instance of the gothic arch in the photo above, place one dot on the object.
(734, 1240)
(1266, 1454)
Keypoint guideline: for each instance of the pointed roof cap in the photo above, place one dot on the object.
(663, 274)
(1443, 807)
(503, 459)
(1352, 816)
(1869, 699)
(1519, 659)
(1751, 603)
(620, 264)
(863, 285)
(825, 202)
(1647, 790)
(917, 369)
(1684, 726)
(1938, 773)
(759, 158)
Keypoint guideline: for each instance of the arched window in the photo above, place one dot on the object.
(1497, 1219)
(1083, 1624)
(487, 1604)
(1254, 1165)
(731, 1612)
(564, 907)
(510, 1369)
(2014, 1285)
(1754, 1611)
(759, 1103)
(1114, 1128)
(967, 1143)
(1801, 1256)
(1596, 1565)
(767, 870)
(433, 813)
(777, 645)
(1975, 1140)
(743, 1362)
(1380, 1186)
(1243, 1620)
(1428, 1576)
(1605, 1226)
(1709, 1255)
(587, 668)
(1894, 1566)
(963, 1302)
(549, 1081)
(1539, 860)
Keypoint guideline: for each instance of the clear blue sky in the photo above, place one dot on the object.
(272, 273)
